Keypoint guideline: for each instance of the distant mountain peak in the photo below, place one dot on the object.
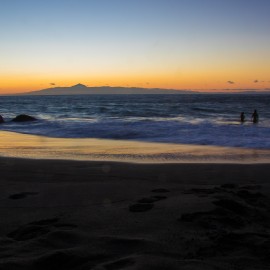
(79, 85)
(81, 89)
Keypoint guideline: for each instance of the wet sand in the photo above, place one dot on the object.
(40, 147)
(60, 214)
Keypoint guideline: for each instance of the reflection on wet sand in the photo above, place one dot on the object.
(40, 147)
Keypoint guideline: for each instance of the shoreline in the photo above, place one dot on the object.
(211, 212)
(40, 147)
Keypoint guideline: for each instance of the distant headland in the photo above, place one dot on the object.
(81, 89)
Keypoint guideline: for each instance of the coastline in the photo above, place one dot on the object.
(87, 214)
(41, 147)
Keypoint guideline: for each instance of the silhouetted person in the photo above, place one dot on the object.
(1, 119)
(255, 117)
(242, 117)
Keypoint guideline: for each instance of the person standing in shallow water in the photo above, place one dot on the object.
(255, 117)
(242, 117)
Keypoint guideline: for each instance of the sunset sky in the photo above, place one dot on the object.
(180, 44)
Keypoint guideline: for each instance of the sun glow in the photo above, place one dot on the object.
(135, 44)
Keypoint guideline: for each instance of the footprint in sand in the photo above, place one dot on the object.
(38, 228)
(248, 193)
(22, 195)
(141, 207)
(152, 199)
(147, 203)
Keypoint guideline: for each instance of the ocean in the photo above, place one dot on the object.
(196, 119)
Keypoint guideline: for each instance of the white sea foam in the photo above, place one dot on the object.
(183, 119)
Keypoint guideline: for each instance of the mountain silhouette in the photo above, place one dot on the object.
(81, 89)
(79, 85)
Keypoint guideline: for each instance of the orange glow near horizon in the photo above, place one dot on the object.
(194, 73)
(199, 81)
(184, 45)
(186, 69)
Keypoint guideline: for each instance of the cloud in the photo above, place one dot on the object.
(230, 82)
(257, 81)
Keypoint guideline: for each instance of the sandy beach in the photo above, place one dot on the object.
(134, 135)
(207, 210)
(60, 214)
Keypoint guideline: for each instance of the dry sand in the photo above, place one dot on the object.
(59, 214)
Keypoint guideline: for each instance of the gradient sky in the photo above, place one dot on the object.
(181, 44)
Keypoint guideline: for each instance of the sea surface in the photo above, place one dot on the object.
(198, 119)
